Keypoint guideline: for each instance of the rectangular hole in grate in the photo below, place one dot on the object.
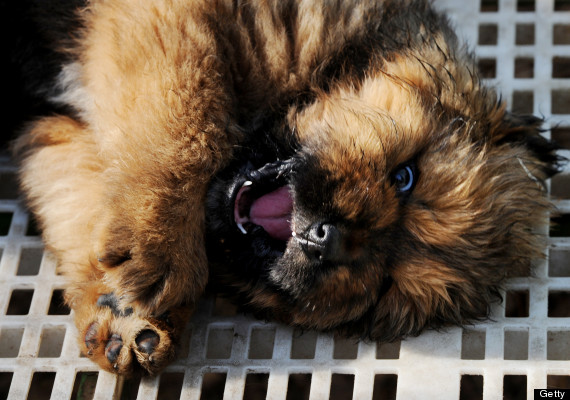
(57, 305)
(558, 381)
(558, 345)
(388, 351)
(516, 345)
(213, 386)
(488, 67)
(473, 345)
(5, 221)
(524, 35)
(561, 67)
(170, 385)
(299, 387)
(220, 342)
(41, 386)
(32, 228)
(10, 341)
(20, 302)
(561, 135)
(385, 387)
(561, 34)
(8, 185)
(488, 34)
(84, 385)
(30, 260)
(130, 388)
(255, 387)
(560, 186)
(524, 68)
(5, 382)
(51, 341)
(261, 344)
(517, 304)
(558, 304)
(560, 226)
(561, 5)
(525, 5)
(514, 387)
(345, 349)
(342, 387)
(471, 387)
(523, 102)
(559, 263)
(489, 5)
(303, 344)
(560, 101)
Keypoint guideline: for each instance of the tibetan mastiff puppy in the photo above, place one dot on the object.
(330, 164)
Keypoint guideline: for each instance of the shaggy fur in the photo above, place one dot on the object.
(407, 190)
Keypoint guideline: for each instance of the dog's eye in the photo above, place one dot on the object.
(404, 178)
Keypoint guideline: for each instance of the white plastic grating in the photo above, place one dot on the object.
(524, 47)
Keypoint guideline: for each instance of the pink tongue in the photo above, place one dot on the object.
(273, 213)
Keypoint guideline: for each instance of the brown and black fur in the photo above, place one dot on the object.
(170, 106)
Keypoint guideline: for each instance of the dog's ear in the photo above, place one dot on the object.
(527, 131)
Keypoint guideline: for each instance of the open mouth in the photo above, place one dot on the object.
(264, 199)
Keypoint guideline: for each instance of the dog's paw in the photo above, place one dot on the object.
(151, 271)
(123, 342)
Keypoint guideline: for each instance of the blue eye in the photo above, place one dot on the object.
(404, 178)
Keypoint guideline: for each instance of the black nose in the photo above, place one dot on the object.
(322, 242)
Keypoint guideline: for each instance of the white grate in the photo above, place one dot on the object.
(524, 47)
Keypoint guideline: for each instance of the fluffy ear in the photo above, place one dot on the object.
(526, 130)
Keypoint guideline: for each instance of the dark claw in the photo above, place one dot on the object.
(113, 348)
(91, 336)
(147, 341)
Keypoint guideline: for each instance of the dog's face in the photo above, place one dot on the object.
(381, 208)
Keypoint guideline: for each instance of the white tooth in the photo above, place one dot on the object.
(247, 183)
(293, 233)
(241, 228)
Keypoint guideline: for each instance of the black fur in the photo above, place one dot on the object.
(34, 35)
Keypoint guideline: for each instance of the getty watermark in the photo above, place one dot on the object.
(551, 394)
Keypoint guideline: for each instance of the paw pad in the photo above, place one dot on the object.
(113, 348)
(90, 338)
(147, 341)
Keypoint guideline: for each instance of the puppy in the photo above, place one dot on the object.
(338, 164)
